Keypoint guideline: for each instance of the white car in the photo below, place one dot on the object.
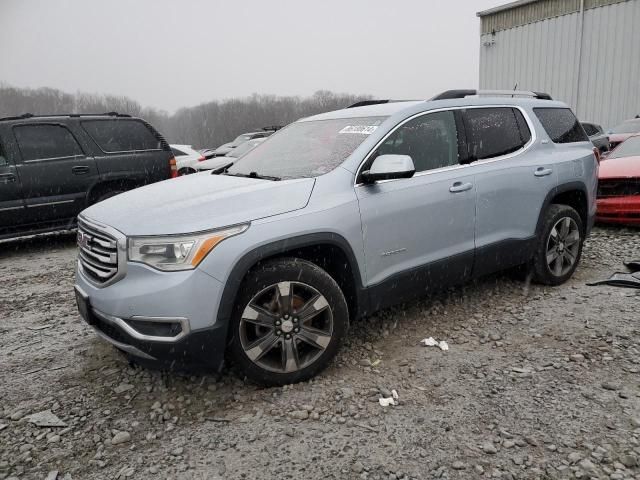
(187, 158)
(220, 163)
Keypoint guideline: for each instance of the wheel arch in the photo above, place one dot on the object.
(109, 184)
(573, 194)
(329, 251)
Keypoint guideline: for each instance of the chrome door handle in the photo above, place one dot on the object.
(460, 187)
(7, 178)
(542, 172)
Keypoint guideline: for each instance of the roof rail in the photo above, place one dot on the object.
(449, 94)
(31, 115)
(365, 103)
(274, 128)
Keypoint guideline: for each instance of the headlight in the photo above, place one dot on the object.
(178, 252)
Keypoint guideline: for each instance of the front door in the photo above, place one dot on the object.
(418, 232)
(54, 170)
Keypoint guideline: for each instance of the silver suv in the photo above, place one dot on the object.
(330, 219)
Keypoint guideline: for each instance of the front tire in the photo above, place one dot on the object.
(288, 322)
(559, 246)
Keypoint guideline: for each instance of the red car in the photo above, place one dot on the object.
(619, 184)
(620, 133)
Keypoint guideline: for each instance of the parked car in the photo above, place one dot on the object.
(186, 159)
(52, 167)
(239, 140)
(337, 216)
(597, 136)
(220, 163)
(619, 184)
(620, 133)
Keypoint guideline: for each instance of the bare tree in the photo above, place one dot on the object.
(206, 125)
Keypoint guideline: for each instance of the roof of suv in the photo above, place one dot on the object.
(410, 107)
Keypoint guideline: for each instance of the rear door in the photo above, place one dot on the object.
(129, 149)
(11, 201)
(55, 172)
(511, 184)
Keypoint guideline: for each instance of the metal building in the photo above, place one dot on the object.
(583, 52)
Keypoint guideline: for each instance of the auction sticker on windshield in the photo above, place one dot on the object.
(361, 129)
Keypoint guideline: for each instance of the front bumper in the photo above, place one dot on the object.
(619, 210)
(184, 304)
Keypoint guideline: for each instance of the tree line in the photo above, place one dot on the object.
(206, 125)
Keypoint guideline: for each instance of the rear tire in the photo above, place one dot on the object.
(559, 246)
(288, 323)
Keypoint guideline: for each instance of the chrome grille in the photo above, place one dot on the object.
(97, 252)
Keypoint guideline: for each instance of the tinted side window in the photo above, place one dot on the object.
(177, 153)
(492, 132)
(3, 159)
(430, 140)
(121, 135)
(589, 129)
(38, 142)
(561, 125)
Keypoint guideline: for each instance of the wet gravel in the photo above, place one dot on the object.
(538, 382)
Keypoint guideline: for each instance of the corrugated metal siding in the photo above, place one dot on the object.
(600, 79)
(524, 14)
(600, 3)
(536, 12)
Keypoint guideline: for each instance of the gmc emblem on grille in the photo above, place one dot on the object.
(83, 240)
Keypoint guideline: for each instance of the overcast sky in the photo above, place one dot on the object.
(169, 53)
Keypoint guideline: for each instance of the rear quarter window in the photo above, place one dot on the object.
(121, 135)
(561, 125)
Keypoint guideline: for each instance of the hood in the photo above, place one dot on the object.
(199, 202)
(215, 163)
(623, 167)
(619, 137)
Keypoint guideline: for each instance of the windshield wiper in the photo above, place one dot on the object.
(253, 175)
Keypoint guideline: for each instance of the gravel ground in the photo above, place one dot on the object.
(538, 383)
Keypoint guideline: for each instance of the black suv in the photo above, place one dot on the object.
(54, 166)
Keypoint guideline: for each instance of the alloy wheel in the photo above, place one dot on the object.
(563, 246)
(286, 327)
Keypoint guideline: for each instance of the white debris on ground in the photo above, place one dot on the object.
(431, 342)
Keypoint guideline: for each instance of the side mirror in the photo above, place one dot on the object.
(389, 167)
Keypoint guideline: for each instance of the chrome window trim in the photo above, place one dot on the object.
(121, 243)
(520, 151)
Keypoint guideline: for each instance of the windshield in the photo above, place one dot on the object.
(307, 149)
(628, 148)
(632, 126)
(244, 148)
